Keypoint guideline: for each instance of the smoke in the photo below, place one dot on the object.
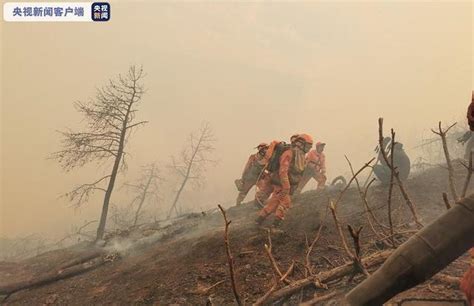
(256, 71)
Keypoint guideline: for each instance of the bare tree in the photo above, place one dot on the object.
(146, 188)
(193, 161)
(76, 234)
(121, 216)
(442, 133)
(110, 118)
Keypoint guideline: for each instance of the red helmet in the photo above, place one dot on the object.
(306, 138)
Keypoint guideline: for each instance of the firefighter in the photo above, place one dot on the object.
(385, 143)
(252, 172)
(470, 113)
(401, 162)
(467, 281)
(285, 167)
(315, 168)
(468, 141)
(467, 137)
(264, 186)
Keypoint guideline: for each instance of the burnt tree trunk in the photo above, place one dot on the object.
(53, 276)
(186, 177)
(115, 168)
(109, 121)
(143, 197)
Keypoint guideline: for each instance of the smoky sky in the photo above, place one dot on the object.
(255, 71)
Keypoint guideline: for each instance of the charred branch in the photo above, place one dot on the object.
(355, 234)
(327, 276)
(390, 191)
(354, 176)
(263, 299)
(308, 265)
(318, 299)
(230, 258)
(355, 257)
(81, 194)
(276, 269)
(401, 186)
(446, 200)
(442, 133)
(363, 195)
(468, 176)
(84, 265)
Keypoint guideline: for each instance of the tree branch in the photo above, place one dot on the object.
(363, 196)
(443, 134)
(468, 176)
(408, 201)
(82, 193)
(230, 258)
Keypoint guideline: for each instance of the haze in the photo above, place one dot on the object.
(255, 71)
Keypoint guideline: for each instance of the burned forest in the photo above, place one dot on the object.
(332, 240)
(237, 153)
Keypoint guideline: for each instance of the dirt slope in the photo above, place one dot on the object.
(189, 256)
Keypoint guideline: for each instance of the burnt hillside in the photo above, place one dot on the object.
(184, 262)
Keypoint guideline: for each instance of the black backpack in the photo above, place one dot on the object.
(274, 161)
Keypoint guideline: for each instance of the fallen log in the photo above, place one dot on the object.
(50, 277)
(320, 299)
(420, 257)
(327, 276)
(86, 256)
(448, 279)
(263, 299)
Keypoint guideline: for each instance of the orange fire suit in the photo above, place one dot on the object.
(264, 189)
(315, 168)
(470, 113)
(253, 171)
(282, 182)
(467, 282)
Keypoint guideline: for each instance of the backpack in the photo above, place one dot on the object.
(276, 149)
